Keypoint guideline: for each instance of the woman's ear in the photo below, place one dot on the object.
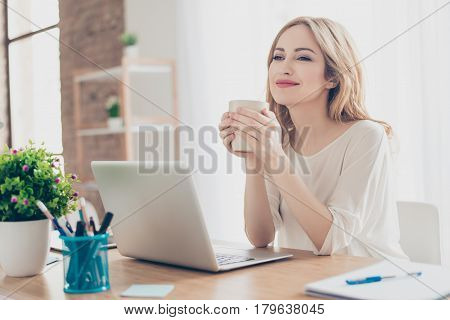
(332, 83)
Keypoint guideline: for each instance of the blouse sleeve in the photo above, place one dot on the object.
(360, 189)
(274, 197)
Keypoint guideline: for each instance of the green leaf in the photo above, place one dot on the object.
(37, 183)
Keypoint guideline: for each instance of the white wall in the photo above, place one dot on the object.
(221, 49)
(223, 46)
(154, 23)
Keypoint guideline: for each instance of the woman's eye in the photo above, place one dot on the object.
(302, 58)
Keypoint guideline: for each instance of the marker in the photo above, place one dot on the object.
(49, 216)
(106, 222)
(81, 229)
(379, 278)
(92, 225)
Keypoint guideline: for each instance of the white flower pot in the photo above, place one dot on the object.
(24, 247)
(115, 123)
(131, 51)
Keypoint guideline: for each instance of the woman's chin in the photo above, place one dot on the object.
(285, 102)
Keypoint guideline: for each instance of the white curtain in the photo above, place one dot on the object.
(222, 48)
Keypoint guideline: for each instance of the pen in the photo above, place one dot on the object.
(89, 255)
(106, 222)
(77, 254)
(64, 228)
(49, 216)
(378, 278)
(92, 225)
(63, 223)
(68, 225)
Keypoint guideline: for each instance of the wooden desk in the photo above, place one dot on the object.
(276, 280)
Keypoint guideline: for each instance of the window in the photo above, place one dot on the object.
(34, 72)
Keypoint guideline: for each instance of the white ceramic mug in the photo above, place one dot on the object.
(238, 144)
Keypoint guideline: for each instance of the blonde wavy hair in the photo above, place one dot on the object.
(346, 99)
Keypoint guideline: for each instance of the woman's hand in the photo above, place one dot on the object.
(261, 131)
(227, 133)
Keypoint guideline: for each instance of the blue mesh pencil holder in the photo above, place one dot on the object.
(85, 264)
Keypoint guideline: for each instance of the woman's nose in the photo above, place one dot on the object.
(286, 68)
(287, 72)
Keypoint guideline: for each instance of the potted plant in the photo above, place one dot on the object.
(129, 40)
(27, 175)
(113, 110)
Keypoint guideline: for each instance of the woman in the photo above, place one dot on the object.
(319, 175)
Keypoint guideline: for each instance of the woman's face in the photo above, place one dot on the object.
(297, 70)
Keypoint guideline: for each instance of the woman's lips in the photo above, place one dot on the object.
(286, 85)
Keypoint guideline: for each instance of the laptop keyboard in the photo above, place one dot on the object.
(223, 259)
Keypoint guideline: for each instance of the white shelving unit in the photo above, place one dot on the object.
(135, 108)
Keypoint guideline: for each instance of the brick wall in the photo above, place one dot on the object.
(89, 28)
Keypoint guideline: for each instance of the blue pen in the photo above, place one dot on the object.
(378, 278)
(59, 228)
(69, 226)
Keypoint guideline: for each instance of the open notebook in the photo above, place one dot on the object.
(434, 283)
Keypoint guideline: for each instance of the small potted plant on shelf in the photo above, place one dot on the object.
(27, 175)
(113, 110)
(129, 40)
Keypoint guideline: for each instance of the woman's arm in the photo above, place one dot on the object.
(262, 133)
(259, 225)
(310, 213)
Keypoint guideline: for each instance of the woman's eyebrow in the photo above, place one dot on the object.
(298, 49)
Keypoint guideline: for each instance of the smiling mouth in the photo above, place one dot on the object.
(286, 84)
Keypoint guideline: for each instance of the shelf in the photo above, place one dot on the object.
(99, 131)
(106, 131)
(160, 73)
(115, 73)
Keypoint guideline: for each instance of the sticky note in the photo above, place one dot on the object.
(148, 290)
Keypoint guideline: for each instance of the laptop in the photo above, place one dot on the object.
(157, 217)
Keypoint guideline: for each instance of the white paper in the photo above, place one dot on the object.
(434, 283)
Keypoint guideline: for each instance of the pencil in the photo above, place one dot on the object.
(85, 216)
(62, 229)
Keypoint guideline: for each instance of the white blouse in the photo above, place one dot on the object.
(352, 176)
